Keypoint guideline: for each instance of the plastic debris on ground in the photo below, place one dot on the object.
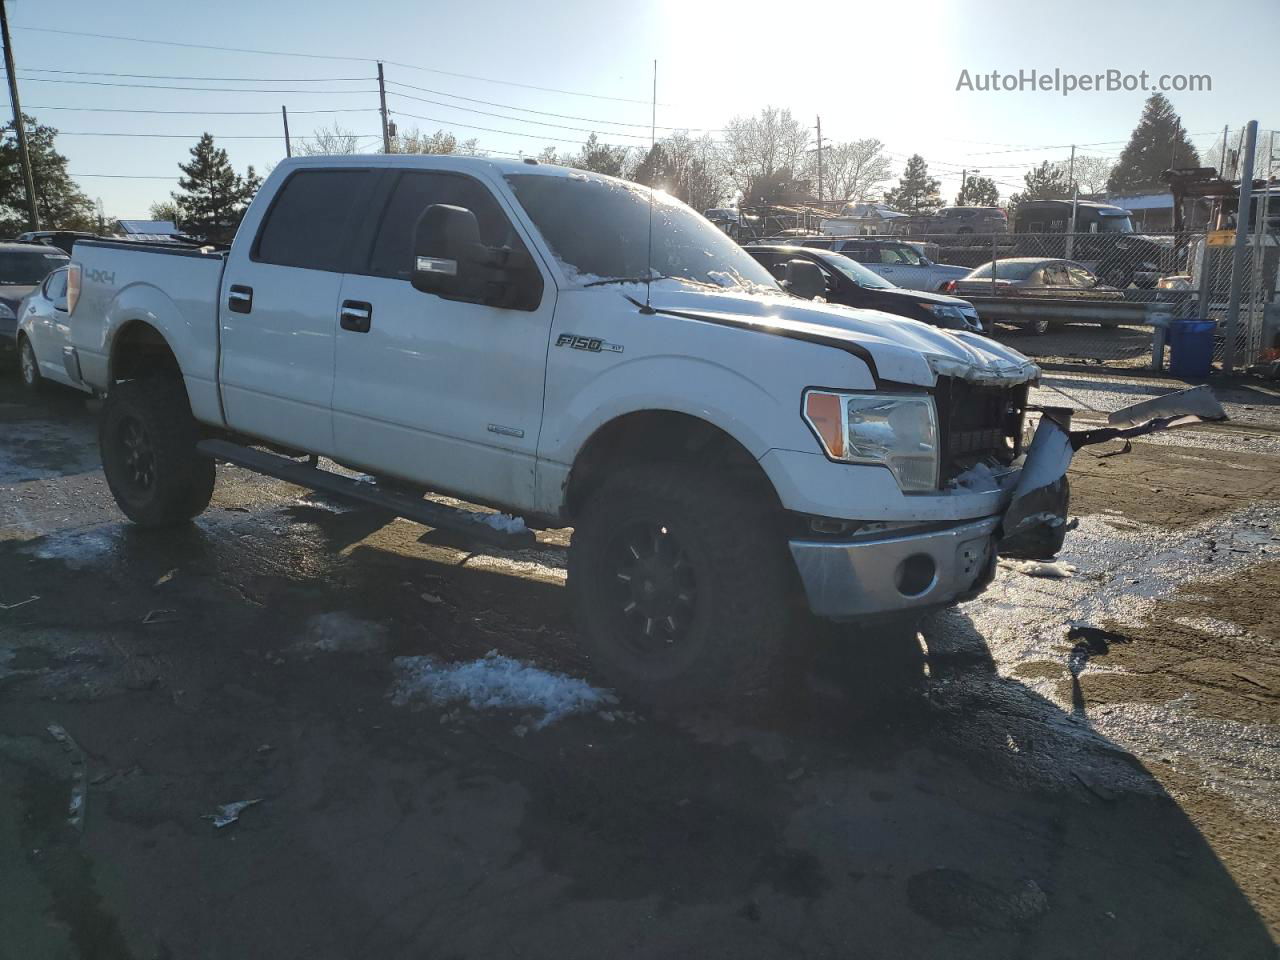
(495, 682)
(229, 813)
(1040, 568)
(504, 522)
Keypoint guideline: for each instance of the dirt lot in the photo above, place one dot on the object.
(1077, 767)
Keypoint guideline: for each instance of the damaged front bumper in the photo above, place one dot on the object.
(899, 572)
(939, 565)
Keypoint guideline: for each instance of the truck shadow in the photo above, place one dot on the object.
(907, 799)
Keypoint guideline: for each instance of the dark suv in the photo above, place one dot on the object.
(954, 221)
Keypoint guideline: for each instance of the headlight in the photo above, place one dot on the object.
(6, 312)
(899, 432)
(945, 311)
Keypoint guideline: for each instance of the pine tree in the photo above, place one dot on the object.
(600, 157)
(978, 192)
(59, 201)
(1157, 143)
(917, 192)
(1048, 181)
(212, 197)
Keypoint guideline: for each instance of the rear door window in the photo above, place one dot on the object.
(310, 221)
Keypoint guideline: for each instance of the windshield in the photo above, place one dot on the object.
(599, 231)
(1115, 224)
(857, 272)
(1006, 270)
(23, 268)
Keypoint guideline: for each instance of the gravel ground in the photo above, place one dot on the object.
(1071, 767)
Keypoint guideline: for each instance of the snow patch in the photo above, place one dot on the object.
(342, 633)
(505, 523)
(78, 550)
(495, 682)
(1039, 568)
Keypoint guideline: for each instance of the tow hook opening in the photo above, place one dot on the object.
(916, 574)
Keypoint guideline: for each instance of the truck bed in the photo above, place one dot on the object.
(174, 287)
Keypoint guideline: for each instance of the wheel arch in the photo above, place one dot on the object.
(139, 349)
(660, 435)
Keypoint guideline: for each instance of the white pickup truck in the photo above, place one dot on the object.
(578, 351)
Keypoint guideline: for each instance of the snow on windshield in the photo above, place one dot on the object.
(598, 228)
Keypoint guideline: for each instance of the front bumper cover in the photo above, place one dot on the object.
(897, 572)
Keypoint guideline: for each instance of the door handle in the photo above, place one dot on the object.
(356, 315)
(240, 298)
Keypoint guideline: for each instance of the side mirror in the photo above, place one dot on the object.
(804, 279)
(450, 261)
(60, 304)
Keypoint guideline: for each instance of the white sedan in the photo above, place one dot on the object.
(43, 331)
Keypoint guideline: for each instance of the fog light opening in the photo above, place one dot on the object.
(916, 574)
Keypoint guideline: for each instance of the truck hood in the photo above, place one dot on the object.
(898, 349)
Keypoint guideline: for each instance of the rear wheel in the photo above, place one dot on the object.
(28, 366)
(148, 441)
(679, 584)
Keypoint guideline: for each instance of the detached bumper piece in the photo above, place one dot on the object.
(895, 573)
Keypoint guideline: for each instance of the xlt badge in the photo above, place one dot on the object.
(590, 344)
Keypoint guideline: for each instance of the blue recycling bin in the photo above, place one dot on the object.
(1191, 348)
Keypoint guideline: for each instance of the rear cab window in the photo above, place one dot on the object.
(310, 220)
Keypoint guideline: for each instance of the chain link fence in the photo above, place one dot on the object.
(1031, 292)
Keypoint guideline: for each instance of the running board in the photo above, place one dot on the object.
(420, 511)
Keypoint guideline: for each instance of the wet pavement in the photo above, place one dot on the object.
(1068, 767)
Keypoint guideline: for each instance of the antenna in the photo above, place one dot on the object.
(653, 140)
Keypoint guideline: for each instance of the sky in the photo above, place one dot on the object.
(884, 70)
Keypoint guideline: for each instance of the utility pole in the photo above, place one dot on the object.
(284, 114)
(819, 160)
(1075, 200)
(964, 179)
(382, 97)
(1242, 241)
(19, 128)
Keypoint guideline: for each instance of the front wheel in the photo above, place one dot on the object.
(679, 583)
(148, 441)
(29, 367)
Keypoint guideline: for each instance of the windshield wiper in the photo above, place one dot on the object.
(600, 283)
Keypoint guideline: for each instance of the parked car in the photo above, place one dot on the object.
(513, 333)
(1104, 241)
(1032, 277)
(64, 240)
(44, 335)
(976, 223)
(898, 261)
(849, 283)
(23, 267)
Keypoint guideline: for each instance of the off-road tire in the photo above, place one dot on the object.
(28, 365)
(178, 482)
(742, 575)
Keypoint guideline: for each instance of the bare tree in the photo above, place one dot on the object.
(440, 142)
(1092, 173)
(852, 171)
(690, 169)
(326, 142)
(765, 153)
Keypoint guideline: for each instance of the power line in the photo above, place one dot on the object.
(325, 56)
(122, 176)
(501, 116)
(197, 136)
(545, 113)
(207, 113)
(468, 126)
(165, 86)
(171, 76)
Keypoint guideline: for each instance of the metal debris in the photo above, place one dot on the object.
(229, 813)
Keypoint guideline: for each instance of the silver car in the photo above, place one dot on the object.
(44, 329)
(898, 261)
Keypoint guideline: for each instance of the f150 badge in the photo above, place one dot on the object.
(590, 344)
